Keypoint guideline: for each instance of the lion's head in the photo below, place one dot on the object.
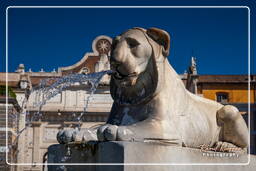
(134, 57)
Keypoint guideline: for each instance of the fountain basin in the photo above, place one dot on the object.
(100, 153)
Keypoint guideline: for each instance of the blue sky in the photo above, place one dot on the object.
(52, 38)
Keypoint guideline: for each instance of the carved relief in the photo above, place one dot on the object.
(103, 46)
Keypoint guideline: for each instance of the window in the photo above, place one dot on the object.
(222, 97)
(84, 70)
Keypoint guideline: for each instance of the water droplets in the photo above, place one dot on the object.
(48, 88)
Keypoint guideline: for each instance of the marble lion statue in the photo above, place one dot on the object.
(151, 102)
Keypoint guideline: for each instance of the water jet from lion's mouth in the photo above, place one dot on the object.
(110, 72)
(48, 88)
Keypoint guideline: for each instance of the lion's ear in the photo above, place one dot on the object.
(161, 37)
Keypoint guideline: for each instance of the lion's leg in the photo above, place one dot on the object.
(118, 133)
(142, 131)
(234, 129)
(122, 133)
(73, 135)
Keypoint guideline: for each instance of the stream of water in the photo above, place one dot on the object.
(48, 88)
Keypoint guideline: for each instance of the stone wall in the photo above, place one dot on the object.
(12, 127)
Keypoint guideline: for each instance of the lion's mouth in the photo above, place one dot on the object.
(119, 76)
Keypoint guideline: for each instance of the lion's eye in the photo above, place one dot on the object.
(132, 42)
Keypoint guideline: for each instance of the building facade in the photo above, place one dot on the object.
(13, 110)
(61, 111)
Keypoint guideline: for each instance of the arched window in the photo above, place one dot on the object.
(222, 97)
(84, 70)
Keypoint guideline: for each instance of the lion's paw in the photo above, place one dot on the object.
(66, 136)
(114, 133)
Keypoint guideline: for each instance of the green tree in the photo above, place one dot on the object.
(10, 91)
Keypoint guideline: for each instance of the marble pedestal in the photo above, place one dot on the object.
(124, 155)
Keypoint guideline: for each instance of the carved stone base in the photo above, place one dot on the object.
(130, 153)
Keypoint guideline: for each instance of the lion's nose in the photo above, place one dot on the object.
(117, 54)
(116, 57)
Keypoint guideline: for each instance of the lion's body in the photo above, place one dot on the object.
(182, 115)
(151, 102)
(157, 105)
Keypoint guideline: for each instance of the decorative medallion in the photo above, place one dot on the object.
(103, 46)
